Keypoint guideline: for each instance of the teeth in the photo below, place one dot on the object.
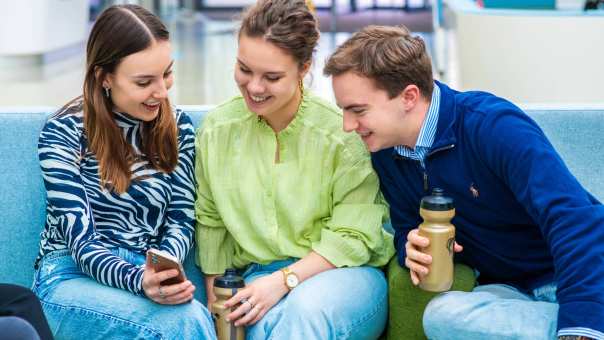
(364, 134)
(258, 99)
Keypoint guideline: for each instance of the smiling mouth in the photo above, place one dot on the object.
(258, 99)
(151, 107)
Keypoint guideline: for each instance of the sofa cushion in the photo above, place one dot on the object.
(578, 135)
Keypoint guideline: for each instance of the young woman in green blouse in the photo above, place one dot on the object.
(287, 197)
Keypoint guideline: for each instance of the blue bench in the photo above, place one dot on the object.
(578, 135)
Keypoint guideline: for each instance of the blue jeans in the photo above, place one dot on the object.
(495, 311)
(78, 307)
(343, 303)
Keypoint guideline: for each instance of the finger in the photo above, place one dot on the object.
(238, 312)
(419, 257)
(417, 240)
(177, 288)
(180, 302)
(458, 247)
(159, 277)
(236, 299)
(183, 299)
(416, 267)
(249, 316)
(181, 295)
(414, 278)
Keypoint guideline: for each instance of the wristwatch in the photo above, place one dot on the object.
(290, 278)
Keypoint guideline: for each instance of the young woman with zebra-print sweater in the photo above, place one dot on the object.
(117, 164)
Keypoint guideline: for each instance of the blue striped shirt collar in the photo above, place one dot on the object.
(427, 133)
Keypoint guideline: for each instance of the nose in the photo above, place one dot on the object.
(255, 86)
(350, 122)
(161, 91)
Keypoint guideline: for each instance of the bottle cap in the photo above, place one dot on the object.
(230, 279)
(437, 201)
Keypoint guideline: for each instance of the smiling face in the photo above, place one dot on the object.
(141, 81)
(268, 78)
(381, 121)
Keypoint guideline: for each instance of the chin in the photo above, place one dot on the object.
(374, 147)
(148, 117)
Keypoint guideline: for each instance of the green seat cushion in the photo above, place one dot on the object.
(407, 302)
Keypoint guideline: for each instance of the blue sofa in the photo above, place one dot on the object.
(578, 135)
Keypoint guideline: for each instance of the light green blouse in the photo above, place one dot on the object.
(322, 195)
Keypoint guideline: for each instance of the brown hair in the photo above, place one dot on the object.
(390, 56)
(289, 24)
(117, 33)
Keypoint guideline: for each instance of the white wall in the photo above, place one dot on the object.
(30, 27)
(531, 56)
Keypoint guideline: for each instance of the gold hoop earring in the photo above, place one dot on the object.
(301, 86)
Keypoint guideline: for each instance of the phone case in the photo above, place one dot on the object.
(160, 261)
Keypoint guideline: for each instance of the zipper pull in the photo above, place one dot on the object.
(425, 181)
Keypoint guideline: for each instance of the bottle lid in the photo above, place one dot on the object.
(437, 201)
(230, 279)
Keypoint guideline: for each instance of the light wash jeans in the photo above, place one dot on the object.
(78, 307)
(343, 303)
(493, 312)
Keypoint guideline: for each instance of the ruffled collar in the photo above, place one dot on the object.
(298, 117)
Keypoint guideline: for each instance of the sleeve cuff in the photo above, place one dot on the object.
(582, 318)
(341, 250)
(581, 331)
(215, 249)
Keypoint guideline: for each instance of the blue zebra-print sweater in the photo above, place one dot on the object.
(156, 211)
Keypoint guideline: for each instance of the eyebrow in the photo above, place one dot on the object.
(352, 106)
(148, 76)
(274, 73)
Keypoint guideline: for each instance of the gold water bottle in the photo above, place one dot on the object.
(437, 211)
(224, 288)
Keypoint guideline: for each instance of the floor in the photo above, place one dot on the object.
(204, 50)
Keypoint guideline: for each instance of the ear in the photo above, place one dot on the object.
(304, 69)
(104, 78)
(410, 96)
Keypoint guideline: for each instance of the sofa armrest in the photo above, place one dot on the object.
(407, 302)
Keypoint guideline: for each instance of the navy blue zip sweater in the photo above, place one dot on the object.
(521, 216)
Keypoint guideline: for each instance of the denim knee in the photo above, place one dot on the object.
(195, 318)
(441, 315)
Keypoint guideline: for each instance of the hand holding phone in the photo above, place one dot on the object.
(160, 260)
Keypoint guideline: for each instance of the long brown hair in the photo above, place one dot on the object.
(118, 32)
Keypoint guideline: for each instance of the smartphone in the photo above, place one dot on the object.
(160, 260)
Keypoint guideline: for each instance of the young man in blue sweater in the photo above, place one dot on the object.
(535, 236)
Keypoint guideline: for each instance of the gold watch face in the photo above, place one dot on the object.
(291, 280)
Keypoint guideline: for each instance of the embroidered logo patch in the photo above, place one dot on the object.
(474, 191)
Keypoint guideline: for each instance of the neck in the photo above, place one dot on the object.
(281, 119)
